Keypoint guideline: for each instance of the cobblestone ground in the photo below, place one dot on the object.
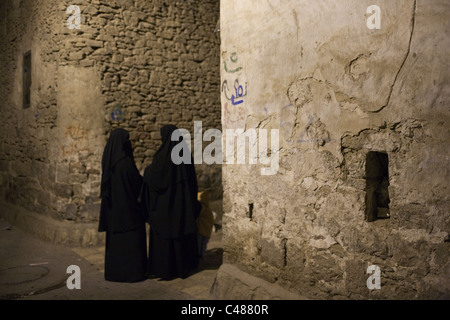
(32, 269)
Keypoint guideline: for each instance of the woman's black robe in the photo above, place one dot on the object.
(121, 215)
(169, 197)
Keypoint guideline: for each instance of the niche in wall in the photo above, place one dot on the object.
(377, 186)
(26, 80)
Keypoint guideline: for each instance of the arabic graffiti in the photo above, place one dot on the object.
(238, 92)
(233, 59)
(234, 91)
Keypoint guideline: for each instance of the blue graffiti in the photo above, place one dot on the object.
(116, 114)
(238, 92)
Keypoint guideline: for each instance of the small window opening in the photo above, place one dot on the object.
(26, 83)
(377, 186)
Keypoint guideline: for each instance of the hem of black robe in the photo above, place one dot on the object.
(172, 277)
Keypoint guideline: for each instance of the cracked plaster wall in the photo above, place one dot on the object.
(336, 90)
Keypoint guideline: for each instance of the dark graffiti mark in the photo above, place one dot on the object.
(238, 92)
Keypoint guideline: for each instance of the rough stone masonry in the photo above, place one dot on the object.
(363, 114)
(363, 117)
(93, 67)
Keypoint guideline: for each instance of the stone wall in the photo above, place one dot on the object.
(131, 64)
(337, 90)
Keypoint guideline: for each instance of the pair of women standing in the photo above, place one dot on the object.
(166, 198)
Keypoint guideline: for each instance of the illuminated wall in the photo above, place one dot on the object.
(359, 95)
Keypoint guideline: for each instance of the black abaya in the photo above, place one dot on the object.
(120, 215)
(170, 201)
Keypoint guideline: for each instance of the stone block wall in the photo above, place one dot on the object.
(131, 64)
(338, 91)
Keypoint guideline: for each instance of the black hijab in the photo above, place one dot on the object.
(159, 173)
(170, 190)
(117, 148)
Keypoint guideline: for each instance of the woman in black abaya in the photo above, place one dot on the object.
(120, 215)
(170, 200)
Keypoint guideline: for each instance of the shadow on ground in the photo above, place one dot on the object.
(212, 260)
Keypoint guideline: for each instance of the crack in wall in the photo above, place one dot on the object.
(297, 25)
(285, 254)
(413, 23)
(348, 68)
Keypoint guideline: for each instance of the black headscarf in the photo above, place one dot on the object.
(170, 190)
(117, 148)
(159, 173)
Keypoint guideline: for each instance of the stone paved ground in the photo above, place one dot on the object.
(32, 269)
